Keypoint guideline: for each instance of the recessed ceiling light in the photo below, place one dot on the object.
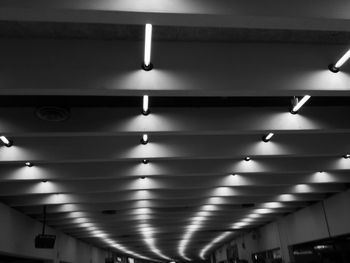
(247, 159)
(240, 224)
(254, 215)
(6, 141)
(298, 104)
(272, 205)
(144, 139)
(147, 65)
(145, 102)
(263, 211)
(335, 67)
(29, 164)
(267, 137)
(145, 161)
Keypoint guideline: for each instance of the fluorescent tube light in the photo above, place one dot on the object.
(268, 137)
(335, 67)
(6, 141)
(300, 103)
(145, 105)
(144, 139)
(147, 65)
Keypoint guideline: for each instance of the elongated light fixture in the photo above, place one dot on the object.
(298, 104)
(336, 67)
(145, 105)
(267, 137)
(147, 65)
(6, 141)
(144, 139)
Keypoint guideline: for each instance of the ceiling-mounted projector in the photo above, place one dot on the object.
(45, 241)
(42, 240)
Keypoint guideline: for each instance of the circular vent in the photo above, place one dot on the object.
(53, 114)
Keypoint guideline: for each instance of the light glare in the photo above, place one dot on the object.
(263, 211)
(212, 243)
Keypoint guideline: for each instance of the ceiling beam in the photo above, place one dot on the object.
(21, 122)
(122, 227)
(173, 168)
(112, 68)
(180, 216)
(224, 201)
(160, 212)
(73, 149)
(52, 199)
(37, 199)
(226, 187)
(297, 14)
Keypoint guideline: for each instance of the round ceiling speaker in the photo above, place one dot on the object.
(52, 113)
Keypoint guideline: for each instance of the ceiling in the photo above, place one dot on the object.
(102, 31)
(224, 75)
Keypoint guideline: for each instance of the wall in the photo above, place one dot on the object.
(305, 225)
(17, 233)
(338, 213)
(265, 238)
(220, 254)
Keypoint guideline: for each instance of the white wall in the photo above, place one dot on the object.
(221, 254)
(17, 233)
(265, 238)
(305, 225)
(268, 237)
(338, 213)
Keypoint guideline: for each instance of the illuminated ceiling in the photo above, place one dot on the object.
(211, 99)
